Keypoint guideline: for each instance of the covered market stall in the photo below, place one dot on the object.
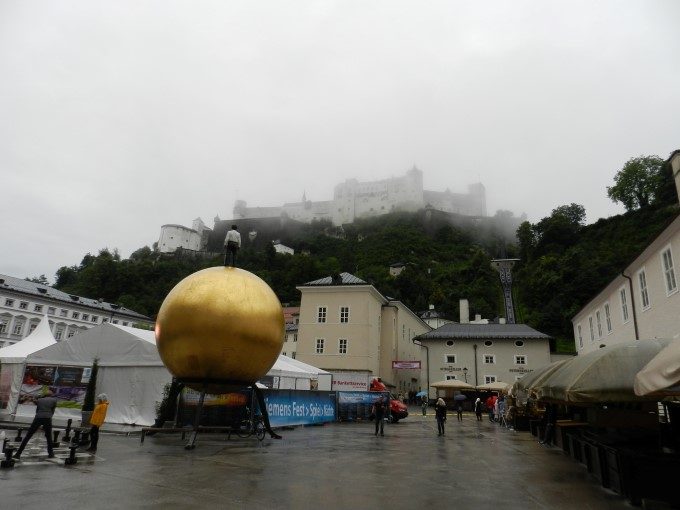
(131, 373)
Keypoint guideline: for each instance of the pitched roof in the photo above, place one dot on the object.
(40, 290)
(465, 331)
(345, 279)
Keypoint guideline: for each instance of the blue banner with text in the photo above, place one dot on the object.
(299, 407)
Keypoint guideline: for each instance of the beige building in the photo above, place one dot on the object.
(643, 301)
(347, 326)
(482, 353)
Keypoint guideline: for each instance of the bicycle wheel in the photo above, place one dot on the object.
(245, 428)
(259, 430)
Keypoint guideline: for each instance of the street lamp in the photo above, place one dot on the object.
(465, 373)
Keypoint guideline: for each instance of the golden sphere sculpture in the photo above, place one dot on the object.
(220, 327)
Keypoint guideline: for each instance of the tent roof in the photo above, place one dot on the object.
(111, 344)
(290, 367)
(39, 338)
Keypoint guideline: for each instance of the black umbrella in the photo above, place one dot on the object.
(460, 396)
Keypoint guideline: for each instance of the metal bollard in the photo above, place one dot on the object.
(8, 462)
(76, 437)
(19, 438)
(71, 456)
(67, 432)
(4, 444)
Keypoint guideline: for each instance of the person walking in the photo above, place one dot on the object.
(459, 410)
(232, 244)
(379, 410)
(440, 413)
(423, 404)
(478, 408)
(97, 420)
(44, 411)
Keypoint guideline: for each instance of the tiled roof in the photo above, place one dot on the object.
(345, 279)
(45, 291)
(483, 331)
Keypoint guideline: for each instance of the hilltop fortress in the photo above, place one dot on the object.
(352, 200)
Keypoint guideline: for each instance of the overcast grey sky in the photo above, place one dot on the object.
(117, 117)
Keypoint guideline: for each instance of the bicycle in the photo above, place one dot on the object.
(251, 426)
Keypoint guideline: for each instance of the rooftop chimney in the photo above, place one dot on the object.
(464, 311)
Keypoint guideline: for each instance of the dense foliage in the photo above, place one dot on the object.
(444, 263)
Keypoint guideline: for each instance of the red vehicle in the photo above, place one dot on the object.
(398, 410)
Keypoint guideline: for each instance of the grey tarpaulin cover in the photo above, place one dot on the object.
(605, 375)
(661, 376)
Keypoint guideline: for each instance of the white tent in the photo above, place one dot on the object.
(13, 358)
(131, 372)
(296, 375)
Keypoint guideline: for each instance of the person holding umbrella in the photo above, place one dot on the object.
(459, 405)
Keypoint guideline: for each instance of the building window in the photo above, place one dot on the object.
(59, 333)
(644, 295)
(599, 324)
(18, 328)
(321, 314)
(488, 343)
(23, 305)
(519, 343)
(450, 358)
(319, 345)
(51, 310)
(115, 321)
(86, 316)
(520, 359)
(608, 317)
(9, 302)
(32, 327)
(38, 308)
(592, 331)
(3, 325)
(63, 313)
(71, 332)
(125, 323)
(284, 354)
(292, 354)
(75, 315)
(95, 318)
(668, 271)
(624, 305)
(344, 314)
(294, 337)
(105, 319)
(342, 346)
(580, 336)
(450, 377)
(489, 359)
(489, 379)
(449, 343)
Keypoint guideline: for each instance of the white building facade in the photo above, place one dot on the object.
(643, 301)
(23, 304)
(482, 353)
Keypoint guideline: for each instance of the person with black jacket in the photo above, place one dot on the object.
(379, 410)
(440, 413)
